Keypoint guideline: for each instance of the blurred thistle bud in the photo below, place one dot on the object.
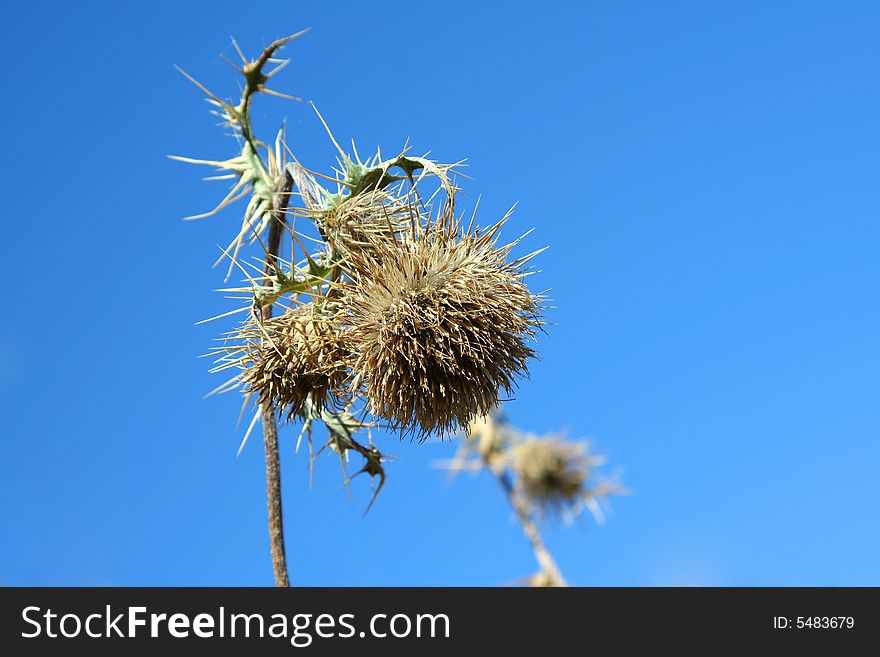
(488, 437)
(440, 322)
(556, 475)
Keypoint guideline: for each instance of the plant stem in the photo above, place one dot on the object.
(530, 529)
(270, 426)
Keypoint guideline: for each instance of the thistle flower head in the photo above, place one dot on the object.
(356, 223)
(440, 322)
(297, 357)
(558, 475)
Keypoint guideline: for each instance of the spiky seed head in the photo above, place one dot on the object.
(557, 475)
(549, 470)
(298, 356)
(356, 223)
(440, 322)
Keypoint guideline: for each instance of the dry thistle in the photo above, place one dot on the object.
(355, 225)
(440, 321)
(536, 475)
(424, 320)
(300, 363)
(289, 360)
(558, 475)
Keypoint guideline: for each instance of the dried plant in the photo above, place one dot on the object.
(398, 317)
(296, 360)
(557, 475)
(538, 475)
(440, 323)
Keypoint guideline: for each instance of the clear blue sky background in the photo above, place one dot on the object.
(705, 173)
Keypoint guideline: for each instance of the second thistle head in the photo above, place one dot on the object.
(440, 323)
(296, 358)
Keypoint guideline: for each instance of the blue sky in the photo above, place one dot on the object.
(705, 174)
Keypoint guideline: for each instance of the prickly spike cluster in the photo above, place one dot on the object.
(441, 322)
(251, 174)
(294, 361)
